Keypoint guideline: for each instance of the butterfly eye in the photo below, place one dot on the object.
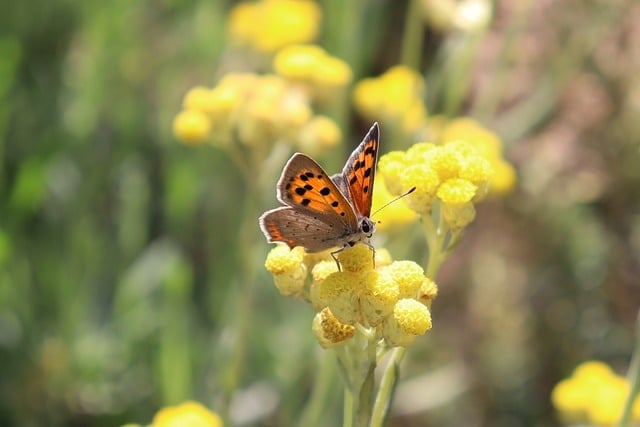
(367, 226)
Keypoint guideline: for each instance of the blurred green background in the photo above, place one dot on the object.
(131, 266)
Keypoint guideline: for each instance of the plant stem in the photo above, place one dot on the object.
(387, 387)
(412, 36)
(634, 379)
(321, 387)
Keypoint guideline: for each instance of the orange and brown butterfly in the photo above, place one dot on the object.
(322, 211)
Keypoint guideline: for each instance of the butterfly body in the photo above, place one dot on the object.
(321, 211)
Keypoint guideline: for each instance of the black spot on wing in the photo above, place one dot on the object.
(325, 191)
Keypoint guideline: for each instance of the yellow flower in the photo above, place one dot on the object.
(198, 98)
(310, 64)
(408, 275)
(395, 96)
(390, 167)
(192, 127)
(593, 394)
(426, 181)
(356, 259)
(329, 331)
(410, 319)
(499, 173)
(320, 271)
(319, 134)
(269, 25)
(428, 291)
(190, 414)
(379, 295)
(340, 292)
(288, 269)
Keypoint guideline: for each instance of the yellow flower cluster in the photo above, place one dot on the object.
(394, 98)
(257, 110)
(453, 174)
(393, 298)
(268, 25)
(594, 394)
(254, 110)
(488, 144)
(191, 414)
(312, 66)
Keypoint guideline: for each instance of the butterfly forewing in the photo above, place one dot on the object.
(305, 185)
(360, 170)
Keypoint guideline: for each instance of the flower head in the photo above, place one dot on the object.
(593, 394)
(329, 331)
(192, 127)
(268, 25)
(190, 414)
(394, 97)
(409, 320)
(288, 269)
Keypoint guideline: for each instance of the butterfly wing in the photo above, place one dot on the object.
(305, 186)
(298, 228)
(360, 171)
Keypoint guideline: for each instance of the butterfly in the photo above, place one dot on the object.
(322, 211)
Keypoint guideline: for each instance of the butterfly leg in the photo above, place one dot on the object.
(348, 245)
(335, 258)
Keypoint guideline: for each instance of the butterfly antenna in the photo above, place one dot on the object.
(406, 193)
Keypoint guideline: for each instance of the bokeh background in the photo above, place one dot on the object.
(131, 271)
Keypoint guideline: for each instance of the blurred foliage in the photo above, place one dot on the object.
(131, 266)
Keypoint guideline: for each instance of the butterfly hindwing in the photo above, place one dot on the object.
(359, 172)
(306, 186)
(297, 228)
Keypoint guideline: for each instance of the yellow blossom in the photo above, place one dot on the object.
(426, 181)
(504, 178)
(192, 127)
(190, 414)
(500, 174)
(409, 277)
(428, 291)
(198, 98)
(288, 269)
(329, 331)
(379, 295)
(356, 259)
(456, 191)
(395, 96)
(320, 271)
(410, 319)
(310, 64)
(593, 394)
(269, 25)
(340, 292)
(319, 134)
(391, 166)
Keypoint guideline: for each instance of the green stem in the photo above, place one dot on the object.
(347, 419)
(412, 36)
(634, 379)
(322, 385)
(367, 369)
(387, 387)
